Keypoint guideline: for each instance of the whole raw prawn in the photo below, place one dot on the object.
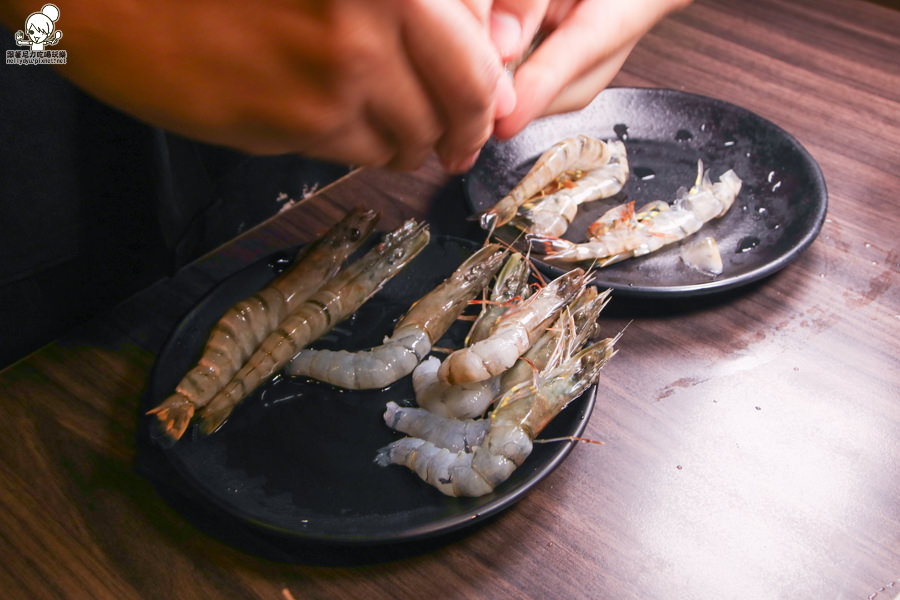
(471, 400)
(552, 214)
(335, 301)
(513, 333)
(623, 232)
(513, 426)
(246, 324)
(571, 154)
(414, 334)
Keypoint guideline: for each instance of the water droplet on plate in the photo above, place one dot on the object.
(643, 173)
(747, 244)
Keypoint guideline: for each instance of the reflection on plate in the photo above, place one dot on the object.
(778, 213)
(296, 458)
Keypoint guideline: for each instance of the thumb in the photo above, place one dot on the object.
(513, 24)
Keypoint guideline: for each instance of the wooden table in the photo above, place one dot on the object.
(750, 442)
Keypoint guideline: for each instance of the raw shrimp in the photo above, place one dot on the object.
(246, 324)
(552, 214)
(454, 434)
(637, 234)
(470, 400)
(335, 301)
(513, 334)
(413, 335)
(511, 285)
(514, 424)
(462, 401)
(576, 153)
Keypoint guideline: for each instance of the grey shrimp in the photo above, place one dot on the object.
(246, 324)
(412, 338)
(335, 301)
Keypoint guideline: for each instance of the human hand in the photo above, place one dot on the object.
(587, 43)
(354, 81)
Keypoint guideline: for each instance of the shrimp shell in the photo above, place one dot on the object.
(552, 214)
(513, 334)
(576, 153)
(335, 301)
(425, 322)
(246, 324)
(637, 234)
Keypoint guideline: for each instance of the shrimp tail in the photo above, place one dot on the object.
(547, 244)
(174, 415)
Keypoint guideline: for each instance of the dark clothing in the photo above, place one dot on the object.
(95, 205)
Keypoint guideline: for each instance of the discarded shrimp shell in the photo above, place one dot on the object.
(426, 321)
(575, 153)
(650, 228)
(553, 213)
(338, 299)
(703, 255)
(243, 326)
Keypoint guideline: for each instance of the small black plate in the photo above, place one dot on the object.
(296, 457)
(777, 215)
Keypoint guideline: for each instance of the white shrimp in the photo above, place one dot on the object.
(457, 430)
(553, 213)
(412, 338)
(513, 334)
(514, 424)
(454, 434)
(462, 401)
(576, 153)
(615, 238)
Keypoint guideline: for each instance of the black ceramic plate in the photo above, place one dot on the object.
(296, 457)
(778, 213)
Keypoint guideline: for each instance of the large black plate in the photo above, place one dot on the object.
(778, 213)
(296, 457)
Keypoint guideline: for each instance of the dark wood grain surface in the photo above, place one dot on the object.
(750, 441)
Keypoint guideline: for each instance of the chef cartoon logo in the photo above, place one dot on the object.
(40, 32)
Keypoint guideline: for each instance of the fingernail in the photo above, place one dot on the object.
(463, 165)
(506, 33)
(506, 96)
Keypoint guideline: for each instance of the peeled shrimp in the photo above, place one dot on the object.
(552, 214)
(335, 301)
(427, 320)
(462, 401)
(454, 434)
(513, 334)
(576, 153)
(513, 426)
(639, 233)
(243, 326)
